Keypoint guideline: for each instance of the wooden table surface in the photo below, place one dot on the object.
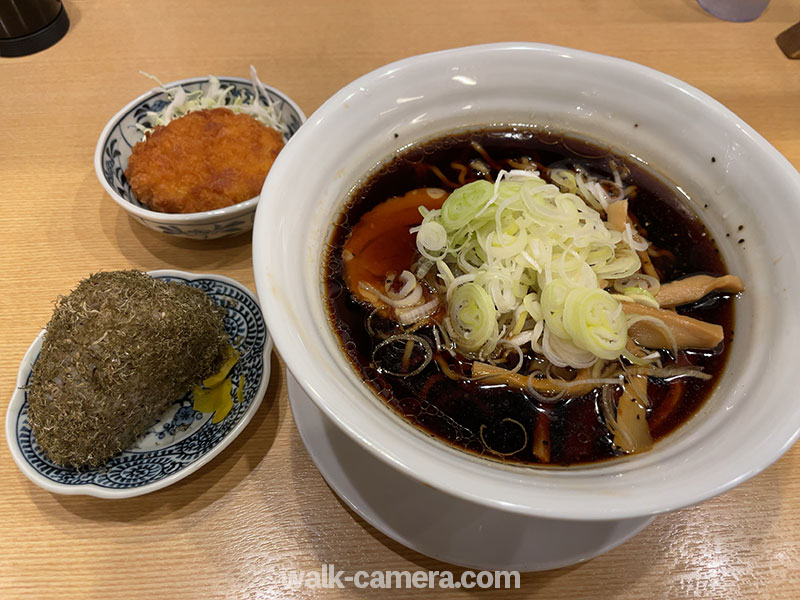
(261, 508)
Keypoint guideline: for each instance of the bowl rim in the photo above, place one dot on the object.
(295, 350)
(90, 489)
(206, 216)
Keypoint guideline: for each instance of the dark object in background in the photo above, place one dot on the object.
(29, 26)
(789, 41)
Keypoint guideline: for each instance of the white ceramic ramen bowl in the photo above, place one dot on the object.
(717, 160)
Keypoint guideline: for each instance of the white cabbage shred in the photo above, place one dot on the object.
(260, 105)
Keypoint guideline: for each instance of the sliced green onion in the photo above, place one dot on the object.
(554, 295)
(595, 322)
(465, 203)
(641, 296)
(431, 238)
(510, 253)
(473, 318)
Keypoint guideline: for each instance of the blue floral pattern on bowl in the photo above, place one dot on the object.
(121, 134)
(181, 440)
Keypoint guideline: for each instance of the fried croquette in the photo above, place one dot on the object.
(205, 160)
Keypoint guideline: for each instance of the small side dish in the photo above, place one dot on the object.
(119, 349)
(177, 439)
(206, 150)
(203, 180)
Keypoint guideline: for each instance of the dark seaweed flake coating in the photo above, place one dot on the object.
(118, 350)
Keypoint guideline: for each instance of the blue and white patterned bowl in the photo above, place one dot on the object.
(181, 441)
(120, 135)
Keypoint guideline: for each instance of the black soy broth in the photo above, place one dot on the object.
(470, 415)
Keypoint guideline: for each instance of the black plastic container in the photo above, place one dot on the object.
(28, 26)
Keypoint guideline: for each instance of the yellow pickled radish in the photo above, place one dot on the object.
(215, 393)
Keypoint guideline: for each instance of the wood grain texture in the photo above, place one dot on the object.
(261, 508)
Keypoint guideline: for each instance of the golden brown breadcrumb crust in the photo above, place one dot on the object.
(205, 160)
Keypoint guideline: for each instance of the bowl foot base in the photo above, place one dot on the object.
(440, 525)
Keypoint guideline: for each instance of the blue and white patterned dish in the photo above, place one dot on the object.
(181, 441)
(120, 135)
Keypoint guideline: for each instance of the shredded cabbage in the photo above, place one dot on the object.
(260, 105)
(523, 260)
